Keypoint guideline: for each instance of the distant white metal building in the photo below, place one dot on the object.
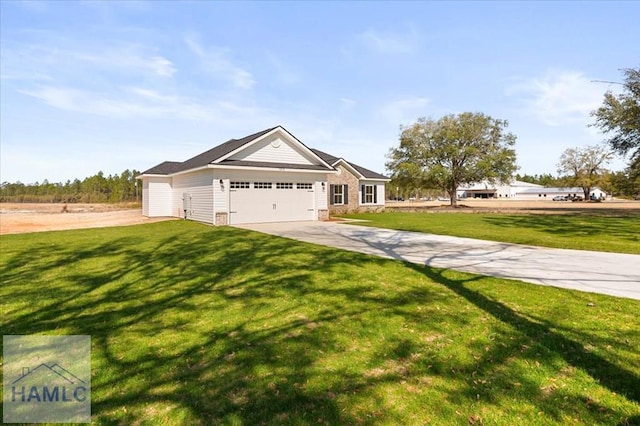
(544, 193)
(487, 190)
(519, 190)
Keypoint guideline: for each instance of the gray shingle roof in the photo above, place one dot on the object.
(164, 168)
(332, 160)
(215, 153)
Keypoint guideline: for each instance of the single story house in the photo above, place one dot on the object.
(269, 176)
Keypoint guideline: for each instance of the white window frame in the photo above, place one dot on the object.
(368, 197)
(337, 194)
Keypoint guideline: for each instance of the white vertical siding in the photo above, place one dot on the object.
(199, 187)
(381, 194)
(322, 195)
(159, 196)
(220, 193)
(145, 197)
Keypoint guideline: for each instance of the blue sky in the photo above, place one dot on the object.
(109, 86)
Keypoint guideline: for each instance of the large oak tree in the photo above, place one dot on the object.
(619, 117)
(584, 166)
(455, 150)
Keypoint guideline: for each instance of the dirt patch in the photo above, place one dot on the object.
(22, 218)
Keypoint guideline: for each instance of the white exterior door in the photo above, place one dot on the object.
(269, 201)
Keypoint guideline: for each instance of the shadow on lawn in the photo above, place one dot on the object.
(256, 366)
(613, 377)
(613, 227)
(218, 325)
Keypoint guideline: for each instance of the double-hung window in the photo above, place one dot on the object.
(369, 194)
(338, 195)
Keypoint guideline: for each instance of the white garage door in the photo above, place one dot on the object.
(267, 201)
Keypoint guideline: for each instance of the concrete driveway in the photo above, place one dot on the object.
(606, 273)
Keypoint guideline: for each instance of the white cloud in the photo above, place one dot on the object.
(392, 42)
(404, 111)
(131, 58)
(347, 103)
(215, 61)
(559, 97)
(285, 72)
(162, 66)
(133, 102)
(63, 59)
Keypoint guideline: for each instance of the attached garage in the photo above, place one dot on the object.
(269, 201)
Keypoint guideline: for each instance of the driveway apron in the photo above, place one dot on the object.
(606, 273)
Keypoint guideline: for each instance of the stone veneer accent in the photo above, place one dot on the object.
(221, 219)
(323, 214)
(353, 205)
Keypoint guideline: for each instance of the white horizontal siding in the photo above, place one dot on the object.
(199, 187)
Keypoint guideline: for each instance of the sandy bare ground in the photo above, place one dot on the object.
(18, 218)
(23, 218)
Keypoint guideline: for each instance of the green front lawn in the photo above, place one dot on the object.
(193, 324)
(618, 234)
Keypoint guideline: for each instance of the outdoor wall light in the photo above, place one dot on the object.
(323, 184)
(221, 185)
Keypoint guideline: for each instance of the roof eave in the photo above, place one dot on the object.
(277, 169)
(146, 175)
(377, 179)
(350, 167)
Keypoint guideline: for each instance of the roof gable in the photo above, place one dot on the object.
(276, 146)
(220, 151)
(359, 171)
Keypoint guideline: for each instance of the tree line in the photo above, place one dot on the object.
(94, 189)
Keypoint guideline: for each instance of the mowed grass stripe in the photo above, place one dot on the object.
(594, 231)
(193, 324)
